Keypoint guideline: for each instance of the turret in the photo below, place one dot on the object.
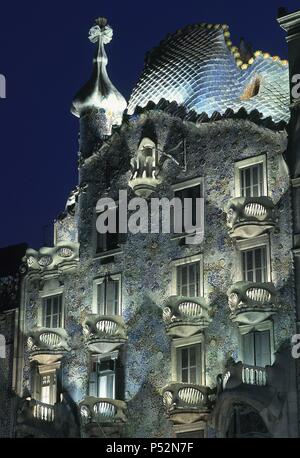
(98, 104)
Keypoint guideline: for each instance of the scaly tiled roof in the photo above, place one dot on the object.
(199, 68)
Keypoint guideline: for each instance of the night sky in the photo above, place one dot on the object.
(46, 57)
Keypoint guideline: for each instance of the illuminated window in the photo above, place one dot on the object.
(252, 184)
(254, 264)
(251, 177)
(102, 378)
(257, 348)
(107, 295)
(48, 388)
(52, 312)
(188, 280)
(189, 364)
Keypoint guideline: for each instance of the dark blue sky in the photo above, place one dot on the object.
(46, 56)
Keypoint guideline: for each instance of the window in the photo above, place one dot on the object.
(252, 181)
(254, 263)
(257, 348)
(102, 379)
(189, 190)
(189, 364)
(110, 240)
(48, 388)
(107, 291)
(188, 280)
(251, 177)
(52, 312)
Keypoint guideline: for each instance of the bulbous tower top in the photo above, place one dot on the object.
(99, 95)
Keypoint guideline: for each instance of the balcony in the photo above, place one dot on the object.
(185, 317)
(64, 254)
(144, 169)
(104, 334)
(43, 412)
(250, 216)
(47, 346)
(242, 374)
(102, 411)
(252, 303)
(186, 403)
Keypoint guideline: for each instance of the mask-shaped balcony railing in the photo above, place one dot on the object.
(184, 316)
(252, 303)
(239, 374)
(144, 169)
(47, 346)
(102, 411)
(64, 254)
(104, 334)
(250, 216)
(187, 403)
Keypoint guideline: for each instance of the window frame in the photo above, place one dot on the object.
(184, 261)
(188, 342)
(251, 244)
(199, 181)
(98, 281)
(49, 294)
(108, 253)
(96, 359)
(250, 162)
(267, 325)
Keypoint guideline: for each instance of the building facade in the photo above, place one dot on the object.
(10, 295)
(150, 334)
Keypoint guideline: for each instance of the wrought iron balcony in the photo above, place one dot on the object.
(250, 216)
(252, 303)
(102, 411)
(239, 374)
(184, 316)
(47, 346)
(104, 334)
(186, 403)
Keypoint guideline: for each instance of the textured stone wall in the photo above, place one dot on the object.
(145, 260)
(7, 329)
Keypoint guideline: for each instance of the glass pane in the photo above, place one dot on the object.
(45, 394)
(185, 376)
(193, 378)
(193, 356)
(184, 358)
(112, 297)
(55, 304)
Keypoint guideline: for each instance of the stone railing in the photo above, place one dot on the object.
(184, 316)
(101, 411)
(239, 373)
(43, 412)
(187, 396)
(250, 216)
(104, 333)
(253, 375)
(251, 303)
(47, 345)
(64, 254)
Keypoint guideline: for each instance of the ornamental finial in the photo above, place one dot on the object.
(99, 97)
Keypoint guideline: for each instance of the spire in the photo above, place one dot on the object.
(99, 96)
